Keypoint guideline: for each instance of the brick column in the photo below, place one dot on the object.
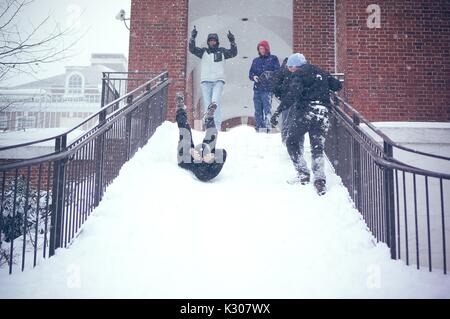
(158, 41)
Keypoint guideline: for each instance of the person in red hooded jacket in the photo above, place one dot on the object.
(260, 73)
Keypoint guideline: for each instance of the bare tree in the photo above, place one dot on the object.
(25, 51)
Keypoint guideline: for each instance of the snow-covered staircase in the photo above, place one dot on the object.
(160, 233)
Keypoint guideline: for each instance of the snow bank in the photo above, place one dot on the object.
(160, 233)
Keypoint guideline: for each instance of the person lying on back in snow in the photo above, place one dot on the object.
(307, 96)
(204, 160)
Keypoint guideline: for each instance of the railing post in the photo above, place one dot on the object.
(99, 159)
(357, 165)
(389, 201)
(102, 102)
(336, 140)
(164, 103)
(128, 128)
(59, 176)
(145, 136)
(102, 118)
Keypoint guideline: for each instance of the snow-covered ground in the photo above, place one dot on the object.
(160, 233)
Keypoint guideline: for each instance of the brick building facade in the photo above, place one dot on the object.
(398, 70)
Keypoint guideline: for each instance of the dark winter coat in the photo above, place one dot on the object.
(309, 84)
(213, 59)
(280, 80)
(263, 67)
(227, 53)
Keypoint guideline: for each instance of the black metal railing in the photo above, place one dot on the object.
(404, 206)
(116, 84)
(44, 201)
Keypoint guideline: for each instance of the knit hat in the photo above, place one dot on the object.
(296, 59)
(264, 44)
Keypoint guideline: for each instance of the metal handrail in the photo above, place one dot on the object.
(385, 161)
(128, 72)
(388, 192)
(88, 136)
(69, 182)
(163, 75)
(386, 138)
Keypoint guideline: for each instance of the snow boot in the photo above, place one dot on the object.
(179, 101)
(211, 109)
(319, 184)
(299, 179)
(267, 123)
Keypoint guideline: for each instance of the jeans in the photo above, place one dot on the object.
(263, 109)
(212, 92)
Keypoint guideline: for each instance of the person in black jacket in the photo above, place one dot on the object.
(307, 96)
(204, 160)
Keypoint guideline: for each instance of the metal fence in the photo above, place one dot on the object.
(404, 206)
(116, 84)
(46, 200)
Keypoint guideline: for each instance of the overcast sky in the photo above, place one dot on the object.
(97, 24)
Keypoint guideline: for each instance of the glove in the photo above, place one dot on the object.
(256, 78)
(266, 76)
(209, 158)
(194, 33)
(274, 119)
(230, 36)
(195, 155)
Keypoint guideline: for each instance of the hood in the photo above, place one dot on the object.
(264, 44)
(213, 36)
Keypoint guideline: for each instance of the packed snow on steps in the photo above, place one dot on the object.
(160, 233)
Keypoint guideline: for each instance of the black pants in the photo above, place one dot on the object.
(202, 170)
(313, 120)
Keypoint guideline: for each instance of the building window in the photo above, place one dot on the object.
(92, 98)
(57, 98)
(3, 122)
(24, 122)
(75, 85)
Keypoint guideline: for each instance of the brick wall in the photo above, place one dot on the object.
(45, 171)
(400, 71)
(237, 121)
(313, 31)
(158, 41)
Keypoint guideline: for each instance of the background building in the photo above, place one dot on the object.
(59, 101)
